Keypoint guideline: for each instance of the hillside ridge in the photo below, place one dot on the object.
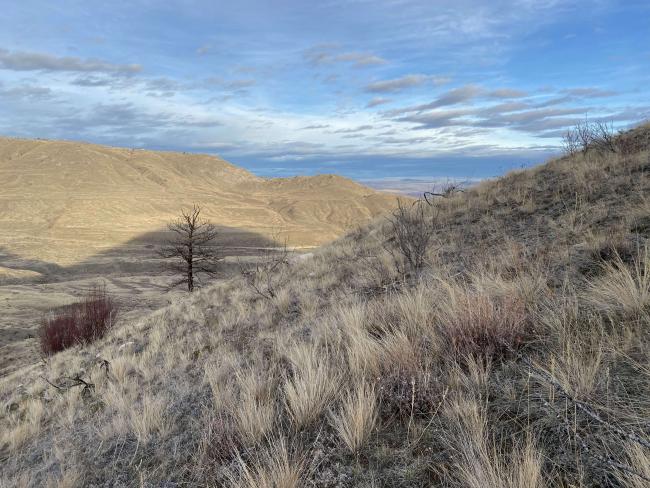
(65, 200)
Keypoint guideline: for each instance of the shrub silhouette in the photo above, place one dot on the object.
(80, 322)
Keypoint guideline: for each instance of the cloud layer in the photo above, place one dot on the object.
(364, 88)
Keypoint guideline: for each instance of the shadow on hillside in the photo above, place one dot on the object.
(137, 256)
(133, 273)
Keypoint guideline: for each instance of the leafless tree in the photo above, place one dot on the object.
(192, 249)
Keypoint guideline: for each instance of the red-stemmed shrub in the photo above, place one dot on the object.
(481, 325)
(80, 322)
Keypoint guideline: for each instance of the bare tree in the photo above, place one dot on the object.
(192, 248)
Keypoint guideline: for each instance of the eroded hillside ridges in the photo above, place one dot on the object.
(517, 357)
(67, 201)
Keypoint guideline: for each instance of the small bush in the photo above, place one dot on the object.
(599, 136)
(78, 323)
(412, 229)
(476, 324)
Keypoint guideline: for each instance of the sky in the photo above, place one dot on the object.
(381, 89)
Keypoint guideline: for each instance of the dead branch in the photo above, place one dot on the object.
(584, 407)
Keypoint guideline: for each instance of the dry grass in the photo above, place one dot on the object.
(254, 412)
(276, 468)
(357, 417)
(312, 387)
(640, 460)
(517, 356)
(479, 462)
(623, 289)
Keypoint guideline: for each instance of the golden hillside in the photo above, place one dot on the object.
(515, 355)
(62, 202)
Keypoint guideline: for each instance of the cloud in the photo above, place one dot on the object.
(352, 130)
(404, 82)
(377, 101)
(359, 60)
(29, 92)
(127, 119)
(237, 84)
(589, 92)
(93, 81)
(451, 97)
(507, 93)
(436, 119)
(316, 126)
(327, 54)
(455, 96)
(519, 116)
(30, 61)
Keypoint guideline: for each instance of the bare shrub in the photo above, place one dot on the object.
(265, 276)
(603, 137)
(412, 229)
(476, 324)
(81, 322)
(445, 190)
(571, 142)
(599, 136)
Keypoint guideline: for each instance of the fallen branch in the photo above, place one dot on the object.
(589, 411)
(76, 381)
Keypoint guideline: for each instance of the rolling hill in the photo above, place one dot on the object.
(62, 202)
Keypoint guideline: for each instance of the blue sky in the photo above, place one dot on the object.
(367, 89)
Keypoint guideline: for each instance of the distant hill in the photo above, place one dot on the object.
(63, 201)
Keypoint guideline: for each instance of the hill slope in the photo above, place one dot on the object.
(64, 201)
(516, 356)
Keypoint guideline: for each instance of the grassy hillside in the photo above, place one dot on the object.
(67, 201)
(515, 356)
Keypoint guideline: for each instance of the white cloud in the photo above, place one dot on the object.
(404, 82)
(30, 61)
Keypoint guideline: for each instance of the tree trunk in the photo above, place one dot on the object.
(190, 274)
